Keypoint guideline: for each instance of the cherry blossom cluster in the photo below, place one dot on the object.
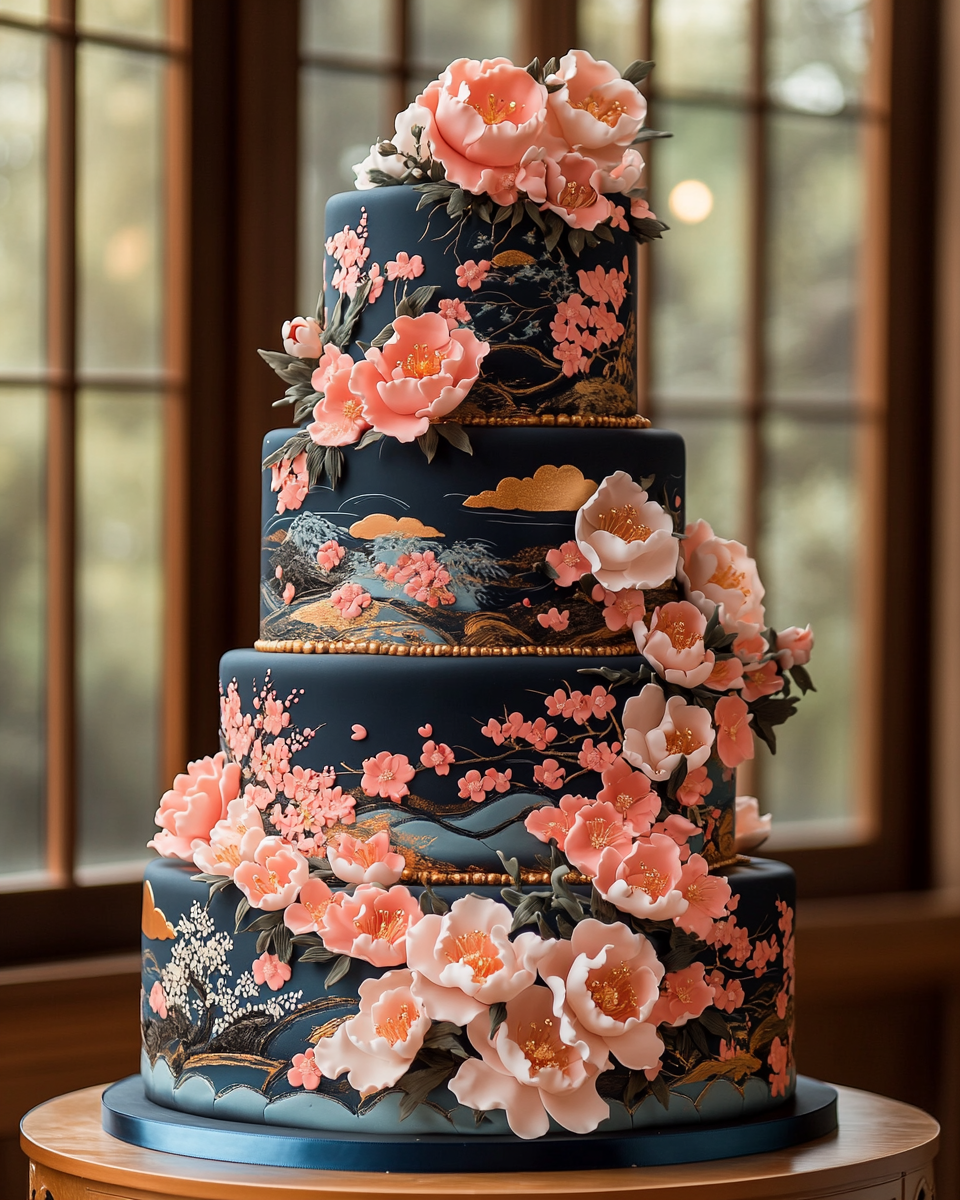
(571, 328)
(422, 576)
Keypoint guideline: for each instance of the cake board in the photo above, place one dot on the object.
(128, 1115)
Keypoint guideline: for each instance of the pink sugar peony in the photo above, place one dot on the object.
(535, 1067)
(706, 896)
(597, 829)
(695, 787)
(685, 994)
(734, 736)
(378, 1045)
(371, 924)
(714, 572)
(234, 839)
(301, 337)
(465, 961)
(421, 373)
(372, 861)
(674, 646)
(195, 803)
(275, 877)
(568, 563)
(314, 900)
(596, 110)
(752, 830)
(304, 1071)
(158, 1000)
(794, 647)
(572, 187)
(484, 116)
(551, 822)
(646, 881)
(659, 732)
(387, 776)
(338, 418)
(438, 757)
(608, 980)
(269, 970)
(627, 538)
(631, 795)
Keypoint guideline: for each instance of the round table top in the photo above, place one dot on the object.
(878, 1139)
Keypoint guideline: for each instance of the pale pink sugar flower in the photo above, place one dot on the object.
(233, 840)
(554, 822)
(794, 647)
(678, 828)
(338, 418)
(570, 186)
(674, 644)
(386, 775)
(371, 924)
(306, 914)
(464, 961)
(706, 896)
(630, 793)
(554, 619)
(646, 881)
(158, 1000)
(330, 555)
(454, 312)
(535, 1067)
(597, 828)
(192, 807)
(658, 733)
(301, 337)
(304, 1072)
(752, 830)
(379, 1044)
(734, 736)
(269, 970)
(291, 480)
(370, 861)
(437, 757)
(626, 537)
(716, 573)
(595, 108)
(273, 880)
(471, 274)
(405, 267)
(376, 283)
(568, 563)
(270, 762)
(684, 994)
(350, 600)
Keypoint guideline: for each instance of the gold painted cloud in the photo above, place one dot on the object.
(549, 489)
(381, 525)
(153, 922)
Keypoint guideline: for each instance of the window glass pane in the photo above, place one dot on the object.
(144, 18)
(811, 531)
(22, 461)
(341, 114)
(816, 218)
(818, 52)
(119, 208)
(360, 27)
(443, 30)
(610, 29)
(699, 189)
(24, 8)
(119, 465)
(22, 202)
(716, 470)
(701, 44)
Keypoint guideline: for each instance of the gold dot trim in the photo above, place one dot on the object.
(484, 878)
(442, 650)
(564, 420)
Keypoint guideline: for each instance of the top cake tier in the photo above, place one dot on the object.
(561, 327)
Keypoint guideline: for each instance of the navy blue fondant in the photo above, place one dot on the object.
(223, 1045)
(127, 1114)
(492, 554)
(515, 306)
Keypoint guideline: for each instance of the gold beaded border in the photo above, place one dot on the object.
(488, 878)
(441, 650)
(572, 420)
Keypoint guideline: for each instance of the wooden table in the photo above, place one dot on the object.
(884, 1150)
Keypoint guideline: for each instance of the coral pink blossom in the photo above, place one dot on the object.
(405, 267)
(641, 210)
(627, 538)
(275, 877)
(301, 337)
(598, 758)
(674, 646)
(750, 648)
(471, 274)
(387, 776)
(727, 673)
(474, 786)
(706, 896)
(696, 785)
(685, 995)
(534, 1067)
(752, 830)
(439, 757)
(597, 828)
(550, 822)
(269, 970)
(727, 994)
(379, 1044)
(568, 563)
(596, 110)
(572, 187)
(304, 1072)
(779, 1060)
(289, 477)
(549, 773)
(332, 360)
(605, 286)
(420, 374)
(554, 619)
(454, 312)
(158, 1000)
(623, 609)
(658, 733)
(288, 593)
(371, 924)
(499, 779)
(314, 899)
(646, 881)
(350, 600)
(195, 803)
(484, 116)
(465, 961)
(330, 555)
(715, 572)
(372, 861)
(761, 680)
(794, 647)
(233, 839)
(734, 736)
(630, 794)
(608, 980)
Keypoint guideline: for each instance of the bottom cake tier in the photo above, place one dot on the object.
(230, 1031)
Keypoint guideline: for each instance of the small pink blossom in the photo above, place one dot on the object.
(474, 786)
(499, 779)
(288, 593)
(684, 994)
(454, 312)
(706, 896)
(549, 773)
(794, 647)
(761, 680)
(696, 785)
(376, 283)
(623, 609)
(304, 1071)
(764, 953)
(350, 600)
(472, 274)
(330, 555)
(779, 1060)
(158, 1000)
(371, 924)
(269, 970)
(493, 730)
(750, 648)
(572, 187)
(553, 823)
(597, 828)
(438, 757)
(314, 899)
(554, 619)
(727, 673)
(358, 734)
(570, 355)
(734, 736)
(405, 267)
(301, 337)
(630, 794)
(291, 480)
(727, 994)
(274, 878)
(387, 776)
(605, 286)
(598, 758)
(538, 733)
(568, 563)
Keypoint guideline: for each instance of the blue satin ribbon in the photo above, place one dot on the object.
(128, 1115)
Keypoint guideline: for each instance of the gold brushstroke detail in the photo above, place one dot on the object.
(513, 258)
(549, 489)
(381, 525)
(439, 650)
(254, 1061)
(563, 420)
(327, 1029)
(153, 922)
